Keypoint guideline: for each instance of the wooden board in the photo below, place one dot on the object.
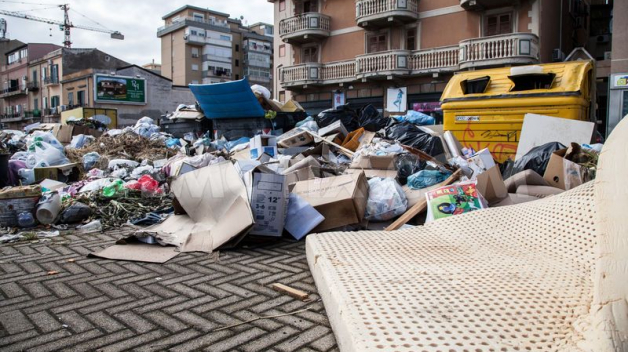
(292, 292)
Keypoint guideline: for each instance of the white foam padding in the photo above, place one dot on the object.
(549, 275)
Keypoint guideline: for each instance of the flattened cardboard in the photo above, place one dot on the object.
(66, 132)
(269, 202)
(563, 173)
(491, 185)
(138, 252)
(215, 200)
(539, 191)
(340, 199)
(370, 173)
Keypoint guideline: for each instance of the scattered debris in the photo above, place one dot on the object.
(292, 292)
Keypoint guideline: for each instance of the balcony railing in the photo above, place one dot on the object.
(302, 74)
(435, 60)
(516, 48)
(32, 85)
(385, 63)
(182, 22)
(338, 71)
(11, 91)
(374, 12)
(304, 27)
(51, 80)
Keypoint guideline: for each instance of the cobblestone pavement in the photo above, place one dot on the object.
(103, 305)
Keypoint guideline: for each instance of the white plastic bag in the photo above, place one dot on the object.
(386, 199)
(47, 154)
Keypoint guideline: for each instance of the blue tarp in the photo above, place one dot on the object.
(226, 100)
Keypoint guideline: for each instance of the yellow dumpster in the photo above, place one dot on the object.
(485, 108)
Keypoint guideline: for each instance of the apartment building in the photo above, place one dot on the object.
(45, 95)
(16, 81)
(199, 45)
(354, 51)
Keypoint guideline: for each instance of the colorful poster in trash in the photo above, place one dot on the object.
(397, 99)
(118, 89)
(457, 199)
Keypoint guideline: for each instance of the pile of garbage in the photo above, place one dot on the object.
(343, 169)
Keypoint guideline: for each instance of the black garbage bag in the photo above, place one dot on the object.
(411, 135)
(371, 119)
(537, 158)
(76, 212)
(406, 165)
(344, 113)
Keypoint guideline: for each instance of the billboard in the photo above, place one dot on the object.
(119, 90)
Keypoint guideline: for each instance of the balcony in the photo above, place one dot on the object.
(221, 26)
(499, 50)
(217, 73)
(304, 28)
(301, 75)
(12, 91)
(51, 81)
(379, 13)
(510, 49)
(486, 4)
(32, 86)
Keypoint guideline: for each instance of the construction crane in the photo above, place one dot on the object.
(65, 26)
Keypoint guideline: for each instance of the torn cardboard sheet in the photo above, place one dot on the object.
(217, 210)
(138, 252)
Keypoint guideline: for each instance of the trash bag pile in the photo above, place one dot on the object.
(342, 169)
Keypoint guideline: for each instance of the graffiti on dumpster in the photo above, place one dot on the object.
(500, 150)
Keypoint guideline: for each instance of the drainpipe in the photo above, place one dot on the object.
(560, 29)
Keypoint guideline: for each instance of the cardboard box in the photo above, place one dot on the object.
(491, 185)
(385, 162)
(480, 162)
(269, 202)
(341, 200)
(370, 173)
(261, 144)
(66, 132)
(336, 127)
(563, 173)
(65, 173)
(292, 106)
(295, 138)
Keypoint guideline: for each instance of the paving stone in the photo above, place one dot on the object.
(102, 305)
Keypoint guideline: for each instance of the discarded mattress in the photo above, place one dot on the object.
(233, 99)
(543, 276)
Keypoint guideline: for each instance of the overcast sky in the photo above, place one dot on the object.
(137, 20)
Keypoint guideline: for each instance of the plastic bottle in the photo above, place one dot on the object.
(112, 188)
(25, 219)
(27, 176)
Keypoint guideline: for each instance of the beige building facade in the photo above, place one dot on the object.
(201, 46)
(355, 50)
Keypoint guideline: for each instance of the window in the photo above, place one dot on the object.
(198, 17)
(237, 77)
(193, 32)
(45, 102)
(23, 53)
(194, 67)
(411, 39)
(377, 42)
(310, 6)
(310, 54)
(498, 24)
(54, 74)
(80, 98)
(237, 63)
(282, 5)
(35, 104)
(44, 74)
(13, 57)
(282, 50)
(194, 52)
(54, 101)
(225, 37)
(35, 76)
(237, 48)
(70, 98)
